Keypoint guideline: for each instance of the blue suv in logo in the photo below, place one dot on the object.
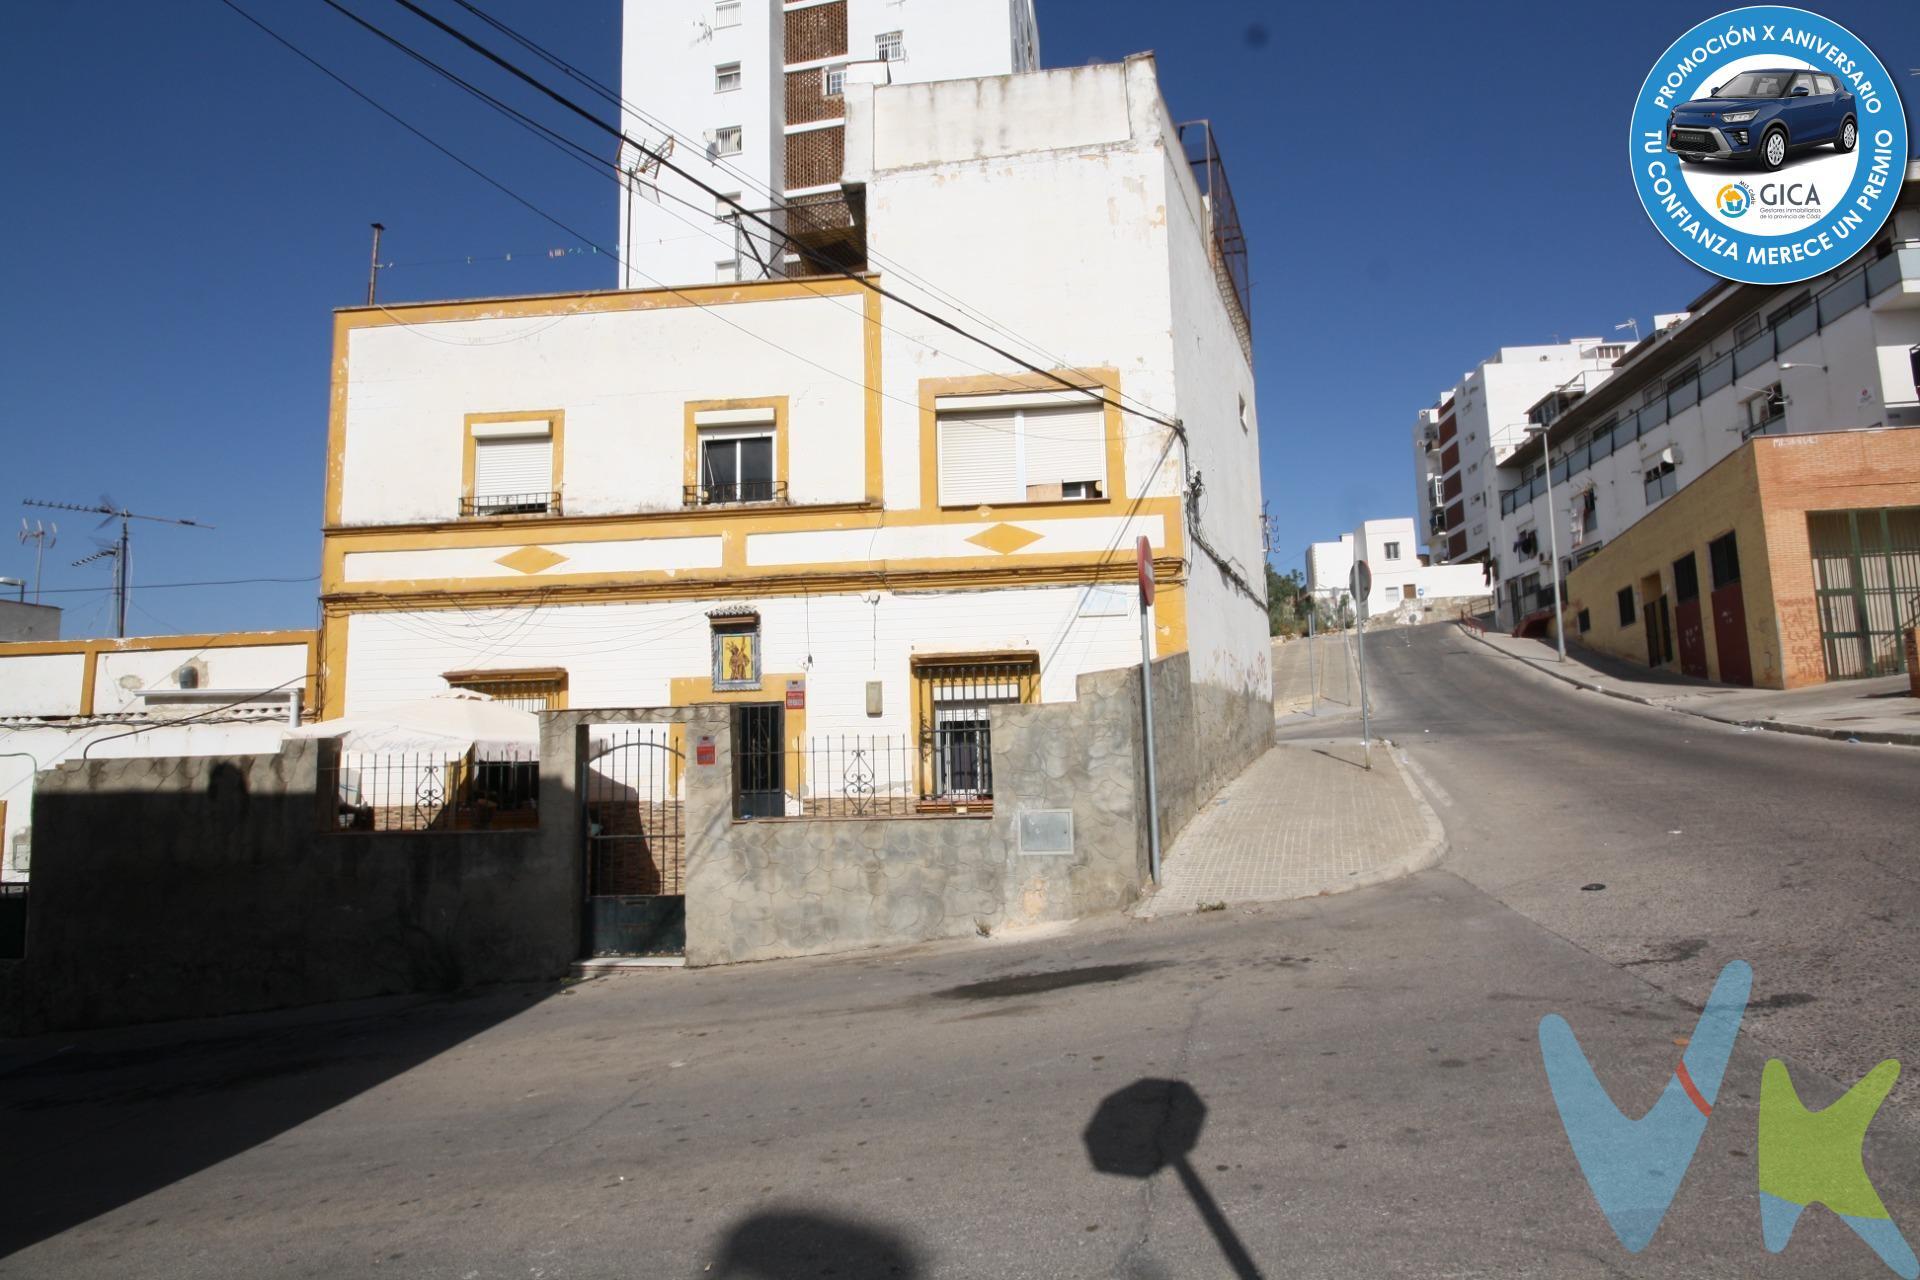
(1764, 116)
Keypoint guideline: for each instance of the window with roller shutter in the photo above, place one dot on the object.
(1000, 453)
(512, 469)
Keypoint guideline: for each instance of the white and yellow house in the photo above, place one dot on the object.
(800, 493)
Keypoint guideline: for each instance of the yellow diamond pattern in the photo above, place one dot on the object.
(531, 559)
(1005, 538)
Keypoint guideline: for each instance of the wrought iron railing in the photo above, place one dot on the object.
(492, 789)
(511, 504)
(719, 495)
(850, 776)
(1226, 242)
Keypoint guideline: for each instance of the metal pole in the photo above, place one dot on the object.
(1313, 678)
(1553, 549)
(122, 582)
(1146, 702)
(1366, 728)
(373, 265)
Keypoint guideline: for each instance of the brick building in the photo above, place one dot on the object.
(1791, 561)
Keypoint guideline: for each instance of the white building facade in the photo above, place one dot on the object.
(1840, 352)
(1402, 579)
(801, 493)
(115, 698)
(1460, 440)
(748, 97)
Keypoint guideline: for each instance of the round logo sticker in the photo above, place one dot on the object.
(1768, 144)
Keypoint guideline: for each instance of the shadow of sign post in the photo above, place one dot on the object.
(1155, 1124)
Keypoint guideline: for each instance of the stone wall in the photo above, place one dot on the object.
(196, 886)
(777, 887)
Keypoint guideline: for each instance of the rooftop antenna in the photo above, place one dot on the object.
(40, 536)
(373, 267)
(1629, 323)
(121, 552)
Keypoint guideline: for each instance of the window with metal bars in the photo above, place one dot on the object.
(541, 690)
(955, 701)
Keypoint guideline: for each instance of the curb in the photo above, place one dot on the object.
(1422, 856)
(1879, 737)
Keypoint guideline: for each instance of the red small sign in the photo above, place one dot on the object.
(703, 749)
(1143, 553)
(796, 695)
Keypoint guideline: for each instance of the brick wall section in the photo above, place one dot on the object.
(818, 32)
(1913, 661)
(805, 100)
(816, 157)
(1762, 493)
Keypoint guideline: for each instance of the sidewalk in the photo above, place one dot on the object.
(1876, 710)
(1331, 668)
(1304, 819)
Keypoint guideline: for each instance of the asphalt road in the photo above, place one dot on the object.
(1348, 1086)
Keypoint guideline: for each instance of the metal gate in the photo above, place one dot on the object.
(632, 793)
(759, 760)
(1866, 578)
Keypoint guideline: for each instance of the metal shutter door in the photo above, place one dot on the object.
(512, 465)
(1066, 445)
(977, 459)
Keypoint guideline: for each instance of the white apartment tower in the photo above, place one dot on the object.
(747, 96)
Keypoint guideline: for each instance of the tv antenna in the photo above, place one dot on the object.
(119, 552)
(39, 536)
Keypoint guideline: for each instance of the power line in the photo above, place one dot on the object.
(620, 135)
(167, 586)
(754, 183)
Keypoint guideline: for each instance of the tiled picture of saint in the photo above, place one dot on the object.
(735, 658)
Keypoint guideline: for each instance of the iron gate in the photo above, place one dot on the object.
(631, 789)
(1866, 577)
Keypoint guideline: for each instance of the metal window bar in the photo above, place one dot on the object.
(714, 495)
(956, 734)
(489, 790)
(521, 695)
(538, 503)
(840, 776)
(632, 790)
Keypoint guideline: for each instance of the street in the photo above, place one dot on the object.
(1342, 1086)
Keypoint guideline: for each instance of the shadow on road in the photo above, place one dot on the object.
(1155, 1124)
(114, 1116)
(799, 1245)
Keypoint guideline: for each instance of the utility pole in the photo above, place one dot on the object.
(120, 552)
(373, 266)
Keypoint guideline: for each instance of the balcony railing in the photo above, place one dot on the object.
(511, 504)
(726, 495)
(1851, 290)
(1226, 242)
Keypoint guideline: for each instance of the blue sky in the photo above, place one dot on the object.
(1420, 184)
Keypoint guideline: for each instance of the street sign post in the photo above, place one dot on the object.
(1360, 582)
(1143, 561)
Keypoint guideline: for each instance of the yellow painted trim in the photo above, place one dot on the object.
(556, 420)
(581, 528)
(931, 389)
(688, 691)
(337, 421)
(1169, 617)
(599, 303)
(139, 644)
(961, 573)
(333, 664)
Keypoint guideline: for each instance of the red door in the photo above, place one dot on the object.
(1693, 637)
(1730, 635)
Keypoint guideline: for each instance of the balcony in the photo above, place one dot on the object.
(821, 234)
(1226, 243)
(746, 493)
(1899, 272)
(488, 505)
